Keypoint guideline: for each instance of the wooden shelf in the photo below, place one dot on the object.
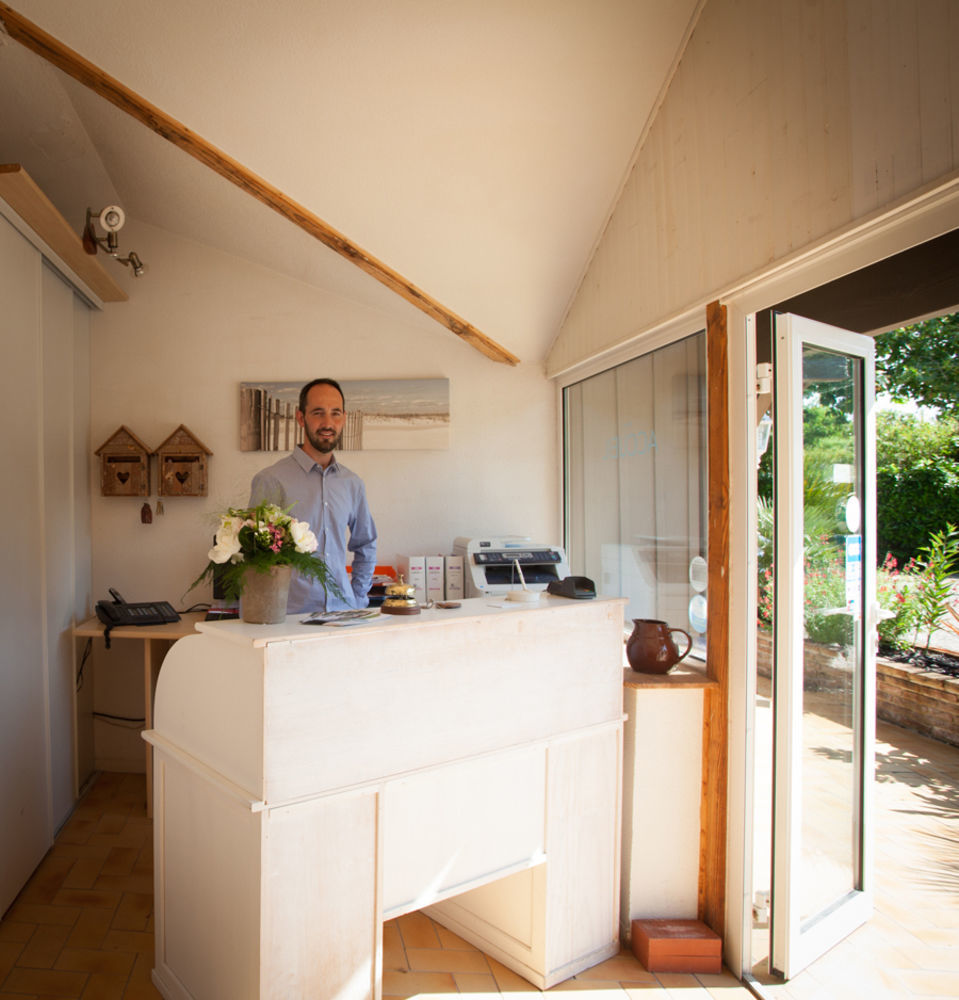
(680, 676)
(20, 192)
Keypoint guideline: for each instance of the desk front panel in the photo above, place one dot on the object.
(449, 827)
(356, 707)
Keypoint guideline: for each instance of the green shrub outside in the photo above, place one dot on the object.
(912, 506)
(917, 482)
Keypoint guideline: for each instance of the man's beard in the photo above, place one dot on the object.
(323, 445)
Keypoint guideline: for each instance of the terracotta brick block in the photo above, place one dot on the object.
(677, 946)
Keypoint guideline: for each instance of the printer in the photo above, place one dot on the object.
(489, 564)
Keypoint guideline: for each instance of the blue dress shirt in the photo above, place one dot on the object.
(330, 500)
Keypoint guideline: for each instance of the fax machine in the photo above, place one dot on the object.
(489, 564)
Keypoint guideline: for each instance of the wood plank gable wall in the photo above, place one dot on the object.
(784, 123)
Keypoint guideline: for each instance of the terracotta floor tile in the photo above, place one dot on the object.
(105, 842)
(453, 941)
(114, 963)
(43, 948)
(507, 980)
(595, 990)
(43, 893)
(82, 850)
(142, 969)
(144, 861)
(101, 986)
(394, 955)
(719, 980)
(120, 860)
(77, 830)
(13, 932)
(90, 929)
(52, 871)
(418, 931)
(112, 823)
(624, 966)
(683, 984)
(408, 984)
(82, 874)
(46, 983)
(476, 982)
(443, 960)
(133, 913)
(35, 913)
(87, 897)
(137, 831)
(141, 991)
(138, 883)
(137, 941)
(9, 953)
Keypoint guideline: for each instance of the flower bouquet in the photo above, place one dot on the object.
(256, 540)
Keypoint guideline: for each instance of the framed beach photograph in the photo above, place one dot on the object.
(381, 414)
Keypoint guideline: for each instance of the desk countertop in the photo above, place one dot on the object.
(93, 628)
(293, 629)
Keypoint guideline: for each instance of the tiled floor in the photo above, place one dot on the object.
(83, 926)
(910, 948)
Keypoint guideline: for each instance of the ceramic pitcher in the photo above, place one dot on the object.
(650, 648)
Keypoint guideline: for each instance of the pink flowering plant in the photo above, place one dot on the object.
(259, 538)
(913, 598)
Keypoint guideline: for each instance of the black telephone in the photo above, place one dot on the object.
(118, 612)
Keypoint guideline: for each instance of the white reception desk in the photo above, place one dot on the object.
(311, 783)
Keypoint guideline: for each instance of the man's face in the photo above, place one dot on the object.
(324, 418)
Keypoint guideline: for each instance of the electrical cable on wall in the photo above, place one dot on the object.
(112, 720)
(87, 649)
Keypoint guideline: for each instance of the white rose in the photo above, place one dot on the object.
(227, 541)
(221, 554)
(303, 538)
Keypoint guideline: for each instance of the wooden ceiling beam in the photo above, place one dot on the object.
(74, 65)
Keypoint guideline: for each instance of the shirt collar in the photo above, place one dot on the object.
(308, 465)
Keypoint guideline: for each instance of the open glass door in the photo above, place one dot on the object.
(824, 639)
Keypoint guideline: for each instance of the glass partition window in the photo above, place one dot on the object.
(635, 450)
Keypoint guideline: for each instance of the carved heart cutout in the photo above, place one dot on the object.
(123, 477)
(182, 477)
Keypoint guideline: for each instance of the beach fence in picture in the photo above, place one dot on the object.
(268, 423)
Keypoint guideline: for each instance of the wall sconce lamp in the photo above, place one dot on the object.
(111, 220)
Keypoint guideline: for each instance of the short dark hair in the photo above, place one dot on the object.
(305, 391)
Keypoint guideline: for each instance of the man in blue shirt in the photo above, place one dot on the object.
(326, 495)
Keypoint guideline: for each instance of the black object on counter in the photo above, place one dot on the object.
(579, 587)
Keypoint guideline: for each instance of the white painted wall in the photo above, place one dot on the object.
(784, 123)
(199, 323)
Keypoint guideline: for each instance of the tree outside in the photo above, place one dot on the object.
(917, 468)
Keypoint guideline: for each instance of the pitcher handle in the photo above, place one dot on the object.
(689, 641)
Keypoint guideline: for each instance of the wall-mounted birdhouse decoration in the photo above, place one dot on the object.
(124, 465)
(182, 462)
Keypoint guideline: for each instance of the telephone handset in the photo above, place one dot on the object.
(119, 612)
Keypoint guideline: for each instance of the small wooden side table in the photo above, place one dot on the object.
(93, 628)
